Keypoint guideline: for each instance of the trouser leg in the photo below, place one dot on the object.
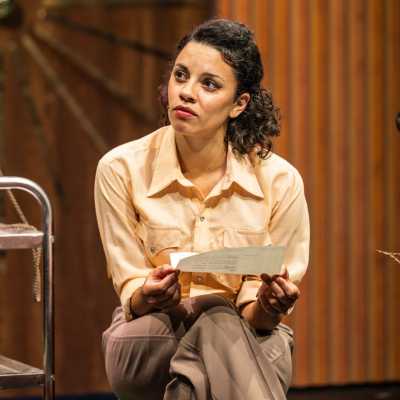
(138, 353)
(221, 358)
(278, 348)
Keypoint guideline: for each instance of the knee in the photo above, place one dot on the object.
(206, 302)
(137, 357)
(140, 369)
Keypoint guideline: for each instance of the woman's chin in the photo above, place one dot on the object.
(183, 128)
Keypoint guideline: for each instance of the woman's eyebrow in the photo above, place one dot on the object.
(211, 75)
(208, 74)
(182, 66)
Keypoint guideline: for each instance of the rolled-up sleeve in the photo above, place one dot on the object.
(288, 226)
(127, 264)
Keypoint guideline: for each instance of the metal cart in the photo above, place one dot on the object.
(14, 374)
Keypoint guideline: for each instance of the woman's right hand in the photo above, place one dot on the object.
(161, 288)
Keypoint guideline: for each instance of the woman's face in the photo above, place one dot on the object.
(201, 92)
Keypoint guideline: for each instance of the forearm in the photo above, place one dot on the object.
(258, 318)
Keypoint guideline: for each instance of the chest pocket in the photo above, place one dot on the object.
(159, 242)
(246, 237)
(241, 238)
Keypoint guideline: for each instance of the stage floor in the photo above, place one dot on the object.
(357, 392)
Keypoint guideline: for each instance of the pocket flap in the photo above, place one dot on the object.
(246, 237)
(159, 238)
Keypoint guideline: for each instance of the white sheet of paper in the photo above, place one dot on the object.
(177, 256)
(237, 260)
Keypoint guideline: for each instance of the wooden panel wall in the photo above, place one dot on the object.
(333, 68)
(84, 296)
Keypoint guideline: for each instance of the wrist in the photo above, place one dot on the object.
(258, 318)
(138, 303)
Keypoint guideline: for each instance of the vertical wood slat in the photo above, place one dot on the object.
(279, 72)
(298, 123)
(375, 272)
(320, 187)
(394, 108)
(357, 190)
(333, 67)
(392, 191)
(260, 18)
(338, 363)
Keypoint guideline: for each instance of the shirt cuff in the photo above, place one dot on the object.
(126, 294)
(248, 292)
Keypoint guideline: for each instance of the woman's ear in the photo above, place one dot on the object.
(240, 105)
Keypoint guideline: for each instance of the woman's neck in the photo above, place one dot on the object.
(199, 156)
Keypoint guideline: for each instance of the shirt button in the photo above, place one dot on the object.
(152, 249)
(199, 279)
(202, 218)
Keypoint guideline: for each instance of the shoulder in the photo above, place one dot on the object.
(126, 156)
(279, 173)
(134, 147)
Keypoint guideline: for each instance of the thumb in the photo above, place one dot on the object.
(162, 271)
(285, 273)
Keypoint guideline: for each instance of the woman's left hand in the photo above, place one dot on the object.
(277, 294)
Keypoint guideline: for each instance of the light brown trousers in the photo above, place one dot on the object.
(199, 350)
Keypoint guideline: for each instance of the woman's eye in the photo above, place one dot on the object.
(210, 84)
(179, 75)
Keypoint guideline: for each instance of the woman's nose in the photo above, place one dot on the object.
(187, 93)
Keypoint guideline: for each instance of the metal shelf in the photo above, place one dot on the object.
(12, 237)
(15, 374)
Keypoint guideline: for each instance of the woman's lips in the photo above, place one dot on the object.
(184, 113)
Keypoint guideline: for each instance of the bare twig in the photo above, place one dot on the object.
(391, 254)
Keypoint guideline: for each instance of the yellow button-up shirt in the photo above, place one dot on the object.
(146, 209)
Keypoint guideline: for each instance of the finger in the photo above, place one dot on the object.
(267, 296)
(277, 305)
(290, 289)
(162, 271)
(281, 295)
(266, 278)
(172, 302)
(268, 306)
(285, 273)
(156, 289)
(160, 288)
(167, 294)
(277, 291)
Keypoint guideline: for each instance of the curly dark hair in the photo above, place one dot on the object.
(260, 121)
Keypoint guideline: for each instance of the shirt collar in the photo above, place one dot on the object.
(167, 169)
(240, 170)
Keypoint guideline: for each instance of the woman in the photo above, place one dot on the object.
(205, 181)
